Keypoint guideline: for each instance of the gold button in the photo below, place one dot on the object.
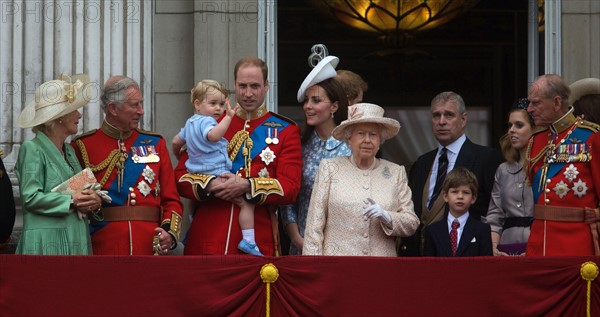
(132, 195)
(130, 189)
(548, 181)
(547, 190)
(547, 201)
(132, 202)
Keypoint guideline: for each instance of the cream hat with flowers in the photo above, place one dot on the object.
(367, 113)
(325, 69)
(56, 98)
(583, 87)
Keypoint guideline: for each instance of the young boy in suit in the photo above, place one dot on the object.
(458, 234)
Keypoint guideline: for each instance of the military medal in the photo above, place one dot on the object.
(152, 154)
(275, 138)
(144, 188)
(267, 156)
(571, 173)
(561, 189)
(268, 140)
(264, 173)
(144, 154)
(580, 188)
(149, 174)
(157, 189)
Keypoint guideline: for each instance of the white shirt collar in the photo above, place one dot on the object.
(455, 146)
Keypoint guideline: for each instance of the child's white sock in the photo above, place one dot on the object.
(248, 235)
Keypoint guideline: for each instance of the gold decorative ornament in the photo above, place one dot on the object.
(588, 272)
(269, 274)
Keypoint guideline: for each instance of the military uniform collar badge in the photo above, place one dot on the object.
(564, 123)
(261, 111)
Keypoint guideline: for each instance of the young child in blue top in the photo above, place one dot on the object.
(207, 148)
(473, 237)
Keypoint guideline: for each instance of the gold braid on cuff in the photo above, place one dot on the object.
(264, 186)
(198, 180)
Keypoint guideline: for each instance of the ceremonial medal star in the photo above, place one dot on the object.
(267, 156)
(580, 188)
(149, 174)
(561, 189)
(571, 173)
(144, 188)
(264, 173)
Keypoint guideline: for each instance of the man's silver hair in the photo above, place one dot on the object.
(115, 92)
(450, 96)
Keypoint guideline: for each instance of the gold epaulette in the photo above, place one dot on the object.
(284, 118)
(149, 132)
(86, 134)
(1, 153)
(588, 125)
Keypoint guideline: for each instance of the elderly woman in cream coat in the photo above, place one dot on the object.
(360, 203)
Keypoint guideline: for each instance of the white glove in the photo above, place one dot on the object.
(102, 193)
(373, 210)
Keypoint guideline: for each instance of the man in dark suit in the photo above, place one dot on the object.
(449, 121)
(459, 233)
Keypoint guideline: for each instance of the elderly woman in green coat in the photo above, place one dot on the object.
(51, 225)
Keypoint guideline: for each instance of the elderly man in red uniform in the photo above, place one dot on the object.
(564, 178)
(266, 155)
(133, 165)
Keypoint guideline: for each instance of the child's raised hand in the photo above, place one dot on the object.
(228, 111)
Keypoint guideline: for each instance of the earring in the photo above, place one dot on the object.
(332, 115)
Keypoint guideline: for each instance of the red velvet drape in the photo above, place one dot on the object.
(307, 286)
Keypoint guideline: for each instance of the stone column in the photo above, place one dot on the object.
(580, 39)
(43, 38)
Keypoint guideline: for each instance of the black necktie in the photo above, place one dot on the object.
(441, 175)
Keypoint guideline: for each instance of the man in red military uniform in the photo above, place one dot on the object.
(133, 165)
(564, 179)
(266, 155)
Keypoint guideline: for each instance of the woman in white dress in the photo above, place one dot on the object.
(360, 203)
